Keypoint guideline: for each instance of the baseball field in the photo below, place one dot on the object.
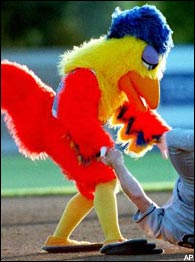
(21, 176)
(34, 195)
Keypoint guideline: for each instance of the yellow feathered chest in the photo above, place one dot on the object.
(109, 60)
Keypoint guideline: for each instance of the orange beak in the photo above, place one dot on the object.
(141, 92)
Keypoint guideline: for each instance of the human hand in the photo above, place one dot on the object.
(113, 157)
(162, 145)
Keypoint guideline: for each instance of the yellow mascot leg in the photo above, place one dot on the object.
(77, 208)
(106, 208)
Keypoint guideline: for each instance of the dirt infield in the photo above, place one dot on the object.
(27, 222)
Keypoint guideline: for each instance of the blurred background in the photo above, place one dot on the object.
(36, 33)
(67, 23)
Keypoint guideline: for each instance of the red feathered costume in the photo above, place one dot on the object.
(114, 78)
(28, 104)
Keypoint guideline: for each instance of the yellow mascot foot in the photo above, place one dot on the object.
(62, 245)
(107, 242)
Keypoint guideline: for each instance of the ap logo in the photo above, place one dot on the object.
(189, 257)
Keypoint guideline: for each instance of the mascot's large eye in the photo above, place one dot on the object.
(150, 57)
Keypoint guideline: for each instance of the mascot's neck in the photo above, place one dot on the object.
(109, 59)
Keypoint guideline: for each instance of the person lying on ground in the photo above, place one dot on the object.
(173, 221)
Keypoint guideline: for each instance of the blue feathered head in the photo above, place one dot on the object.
(146, 23)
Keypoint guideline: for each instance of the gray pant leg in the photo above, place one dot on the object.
(181, 150)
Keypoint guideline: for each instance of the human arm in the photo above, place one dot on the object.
(178, 138)
(162, 146)
(130, 185)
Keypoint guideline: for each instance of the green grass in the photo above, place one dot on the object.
(154, 172)
(21, 176)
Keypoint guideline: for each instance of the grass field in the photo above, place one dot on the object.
(21, 176)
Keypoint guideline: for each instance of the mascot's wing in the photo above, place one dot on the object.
(26, 102)
(78, 108)
(138, 131)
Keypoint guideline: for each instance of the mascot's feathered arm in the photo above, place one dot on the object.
(139, 130)
(78, 111)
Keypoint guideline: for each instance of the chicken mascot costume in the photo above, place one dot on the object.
(113, 79)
